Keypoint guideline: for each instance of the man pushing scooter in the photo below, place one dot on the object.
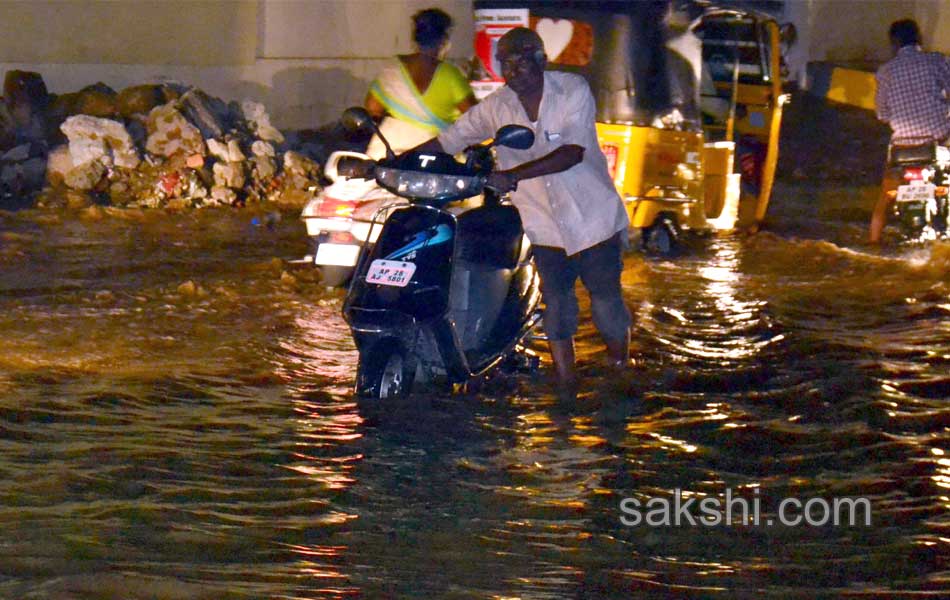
(571, 211)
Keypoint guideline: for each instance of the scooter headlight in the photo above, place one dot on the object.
(427, 186)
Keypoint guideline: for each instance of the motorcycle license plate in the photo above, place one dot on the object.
(341, 255)
(916, 192)
(390, 272)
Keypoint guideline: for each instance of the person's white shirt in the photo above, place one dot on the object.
(574, 209)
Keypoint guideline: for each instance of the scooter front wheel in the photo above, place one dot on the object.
(387, 374)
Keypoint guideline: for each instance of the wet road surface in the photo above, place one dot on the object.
(176, 422)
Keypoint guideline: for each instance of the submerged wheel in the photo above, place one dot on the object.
(661, 237)
(387, 374)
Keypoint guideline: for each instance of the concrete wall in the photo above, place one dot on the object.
(304, 59)
(308, 59)
(856, 30)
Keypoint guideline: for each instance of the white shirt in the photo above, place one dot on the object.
(574, 209)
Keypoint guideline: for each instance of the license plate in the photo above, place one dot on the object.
(342, 255)
(390, 272)
(916, 192)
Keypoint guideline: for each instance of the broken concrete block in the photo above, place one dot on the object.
(229, 174)
(257, 117)
(229, 151)
(170, 133)
(195, 161)
(262, 148)
(93, 138)
(203, 112)
(86, 176)
(58, 164)
(263, 168)
(222, 196)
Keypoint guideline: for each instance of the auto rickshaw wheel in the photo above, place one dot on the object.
(661, 237)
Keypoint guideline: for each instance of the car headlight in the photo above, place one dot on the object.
(429, 186)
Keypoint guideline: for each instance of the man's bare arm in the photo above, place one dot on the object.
(561, 159)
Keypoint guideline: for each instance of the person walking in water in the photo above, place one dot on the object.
(570, 208)
(913, 98)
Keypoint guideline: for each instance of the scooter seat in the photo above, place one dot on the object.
(490, 236)
(909, 155)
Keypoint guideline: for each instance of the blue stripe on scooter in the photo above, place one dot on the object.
(437, 235)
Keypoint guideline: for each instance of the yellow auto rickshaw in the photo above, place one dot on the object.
(688, 118)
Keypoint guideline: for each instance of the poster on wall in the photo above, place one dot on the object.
(567, 43)
(490, 25)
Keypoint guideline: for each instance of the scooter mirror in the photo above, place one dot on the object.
(518, 137)
(356, 119)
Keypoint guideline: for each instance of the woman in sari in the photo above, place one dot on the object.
(418, 95)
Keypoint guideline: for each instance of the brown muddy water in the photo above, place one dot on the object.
(176, 422)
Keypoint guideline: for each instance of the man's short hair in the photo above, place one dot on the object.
(905, 32)
(523, 41)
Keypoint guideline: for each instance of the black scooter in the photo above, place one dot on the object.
(447, 291)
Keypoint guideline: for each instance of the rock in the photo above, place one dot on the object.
(263, 168)
(139, 100)
(77, 200)
(21, 152)
(262, 148)
(26, 101)
(195, 161)
(229, 151)
(298, 164)
(257, 117)
(190, 288)
(7, 128)
(86, 176)
(203, 112)
(170, 133)
(222, 196)
(229, 174)
(92, 138)
(25, 95)
(58, 163)
(97, 100)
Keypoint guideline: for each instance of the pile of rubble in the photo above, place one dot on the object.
(154, 145)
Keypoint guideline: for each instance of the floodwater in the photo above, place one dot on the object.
(176, 422)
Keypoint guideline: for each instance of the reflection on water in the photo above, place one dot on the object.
(176, 422)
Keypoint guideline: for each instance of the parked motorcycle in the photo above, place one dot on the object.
(921, 203)
(338, 218)
(448, 290)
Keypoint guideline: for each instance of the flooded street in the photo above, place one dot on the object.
(176, 422)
